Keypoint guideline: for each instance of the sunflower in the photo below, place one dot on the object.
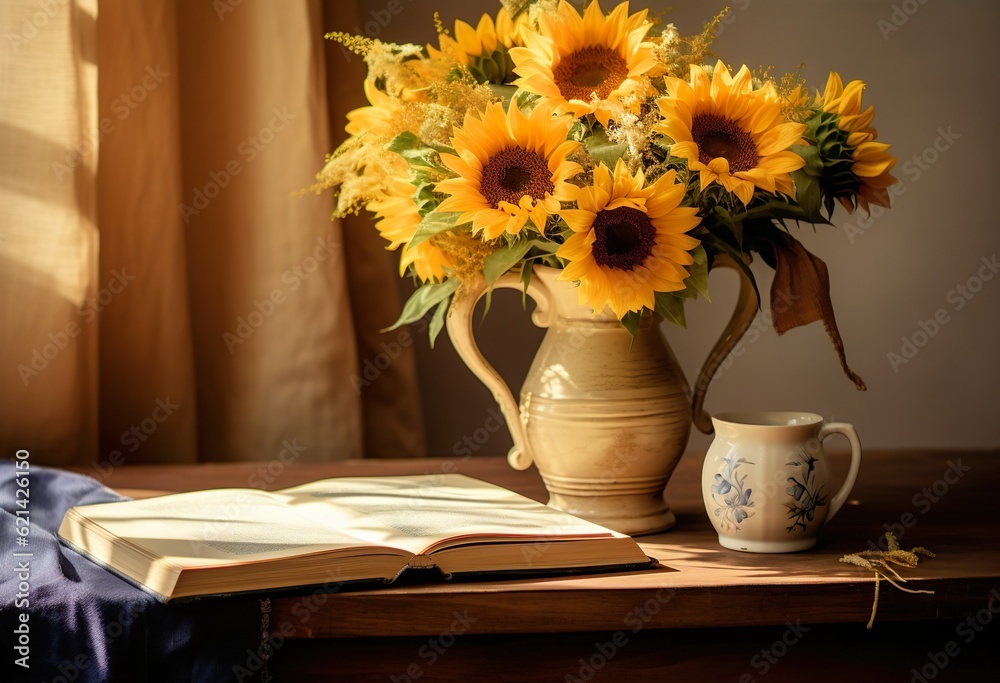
(859, 172)
(397, 220)
(380, 113)
(511, 168)
(484, 49)
(587, 64)
(628, 240)
(730, 133)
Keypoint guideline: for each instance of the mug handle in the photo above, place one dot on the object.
(739, 323)
(852, 474)
(460, 319)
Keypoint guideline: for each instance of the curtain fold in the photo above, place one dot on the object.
(146, 353)
(219, 313)
(48, 231)
(386, 374)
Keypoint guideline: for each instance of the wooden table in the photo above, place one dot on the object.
(709, 614)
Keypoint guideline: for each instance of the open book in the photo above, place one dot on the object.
(344, 529)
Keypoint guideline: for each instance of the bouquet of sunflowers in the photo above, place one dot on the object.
(604, 145)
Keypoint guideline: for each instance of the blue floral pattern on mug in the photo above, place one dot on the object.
(732, 501)
(806, 497)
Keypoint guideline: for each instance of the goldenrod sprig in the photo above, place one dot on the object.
(879, 561)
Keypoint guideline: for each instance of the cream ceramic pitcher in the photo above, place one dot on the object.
(766, 483)
(604, 418)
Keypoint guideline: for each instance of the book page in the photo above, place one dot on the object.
(419, 513)
(218, 527)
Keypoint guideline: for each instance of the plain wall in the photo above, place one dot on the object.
(928, 73)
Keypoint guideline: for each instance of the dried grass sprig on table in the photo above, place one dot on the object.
(879, 561)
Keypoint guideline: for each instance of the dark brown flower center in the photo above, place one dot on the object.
(717, 136)
(514, 172)
(624, 238)
(595, 69)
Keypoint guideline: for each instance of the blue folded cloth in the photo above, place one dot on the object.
(85, 624)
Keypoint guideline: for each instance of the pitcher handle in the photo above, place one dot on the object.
(852, 474)
(460, 320)
(746, 310)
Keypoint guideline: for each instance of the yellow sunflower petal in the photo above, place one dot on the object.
(605, 49)
(834, 88)
(632, 244)
(467, 38)
(578, 220)
(738, 130)
(780, 138)
(491, 146)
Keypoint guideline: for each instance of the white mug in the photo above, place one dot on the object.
(766, 483)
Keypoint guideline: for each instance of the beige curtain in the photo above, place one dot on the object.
(165, 296)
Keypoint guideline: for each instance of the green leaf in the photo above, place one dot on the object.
(829, 203)
(720, 246)
(433, 223)
(809, 196)
(697, 282)
(726, 219)
(423, 300)
(671, 308)
(418, 153)
(602, 150)
(492, 72)
(631, 322)
(779, 209)
(407, 142)
(423, 196)
(503, 259)
(548, 246)
(814, 163)
(437, 322)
